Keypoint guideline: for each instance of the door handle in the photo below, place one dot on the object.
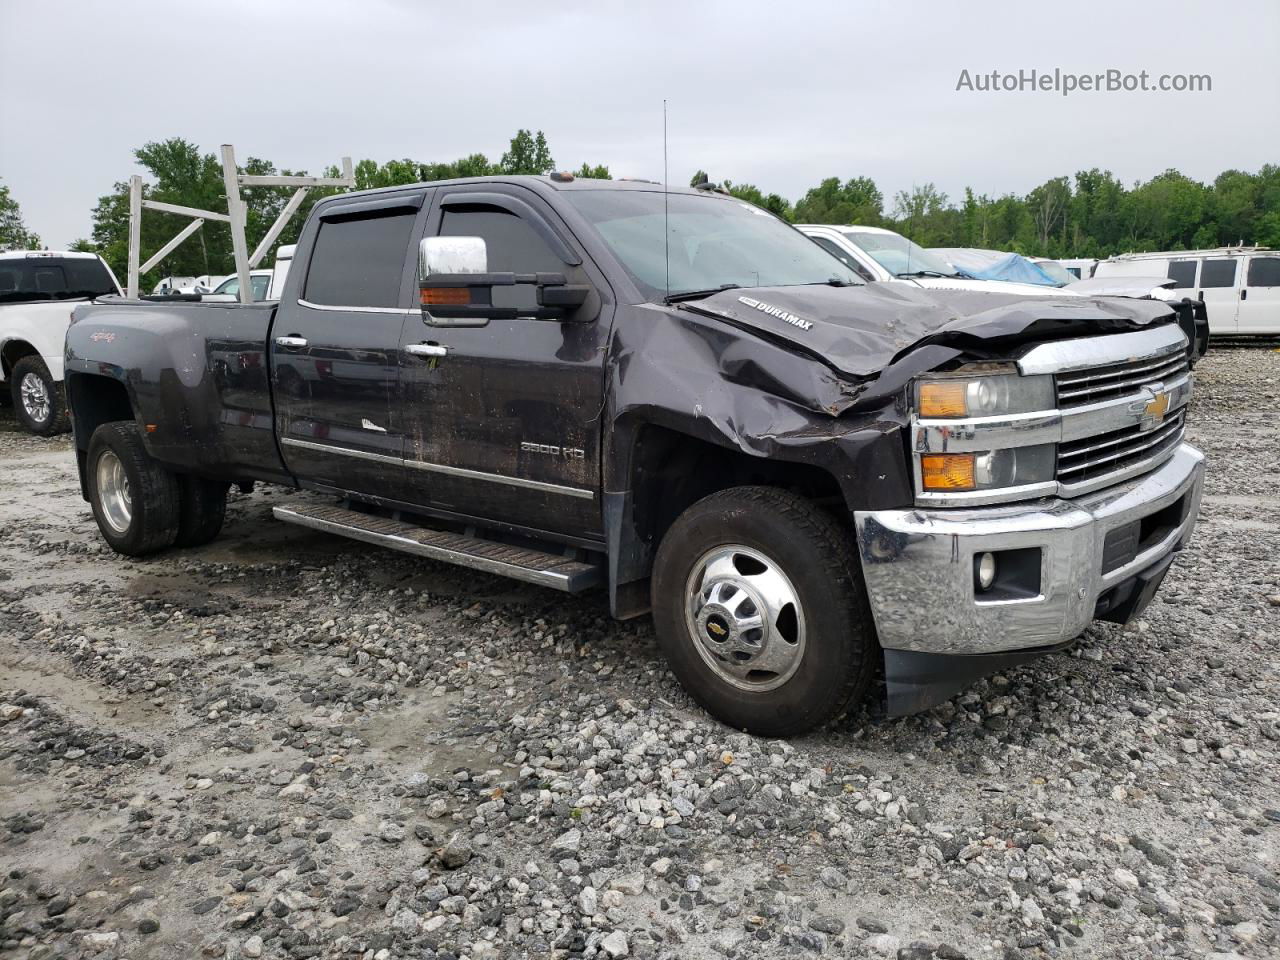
(291, 341)
(426, 349)
(1244, 294)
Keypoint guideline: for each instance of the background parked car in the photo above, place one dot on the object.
(1240, 286)
(229, 289)
(1000, 265)
(35, 288)
(878, 254)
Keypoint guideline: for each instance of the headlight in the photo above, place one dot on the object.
(965, 472)
(955, 413)
(985, 395)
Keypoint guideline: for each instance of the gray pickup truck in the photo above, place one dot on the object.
(679, 398)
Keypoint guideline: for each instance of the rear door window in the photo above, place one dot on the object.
(358, 261)
(1183, 272)
(1217, 273)
(1264, 272)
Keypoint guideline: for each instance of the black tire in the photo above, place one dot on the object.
(152, 492)
(202, 506)
(818, 557)
(55, 419)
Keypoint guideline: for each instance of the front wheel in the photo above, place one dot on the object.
(134, 499)
(761, 611)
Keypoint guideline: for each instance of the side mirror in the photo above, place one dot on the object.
(456, 289)
(452, 255)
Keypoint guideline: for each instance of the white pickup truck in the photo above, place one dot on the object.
(38, 290)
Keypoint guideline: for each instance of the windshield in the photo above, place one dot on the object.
(53, 278)
(899, 255)
(713, 242)
(1056, 271)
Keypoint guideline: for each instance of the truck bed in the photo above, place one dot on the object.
(207, 388)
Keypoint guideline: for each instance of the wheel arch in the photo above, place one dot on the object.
(13, 350)
(94, 400)
(662, 471)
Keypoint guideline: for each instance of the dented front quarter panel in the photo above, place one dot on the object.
(692, 374)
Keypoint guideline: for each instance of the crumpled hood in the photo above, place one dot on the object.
(861, 331)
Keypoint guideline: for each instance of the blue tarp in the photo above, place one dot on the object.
(1014, 268)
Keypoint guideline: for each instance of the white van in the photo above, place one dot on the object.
(1240, 286)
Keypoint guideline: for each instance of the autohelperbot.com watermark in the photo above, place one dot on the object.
(1065, 83)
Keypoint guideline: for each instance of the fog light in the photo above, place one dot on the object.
(986, 570)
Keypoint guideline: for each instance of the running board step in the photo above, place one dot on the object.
(521, 563)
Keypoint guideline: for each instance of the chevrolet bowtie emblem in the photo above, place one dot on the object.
(716, 629)
(1152, 412)
(1157, 407)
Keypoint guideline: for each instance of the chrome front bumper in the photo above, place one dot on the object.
(919, 564)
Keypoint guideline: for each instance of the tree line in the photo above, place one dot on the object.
(1091, 214)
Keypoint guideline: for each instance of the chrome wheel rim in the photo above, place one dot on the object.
(744, 617)
(114, 498)
(35, 397)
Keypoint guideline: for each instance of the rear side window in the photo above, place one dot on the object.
(1184, 272)
(358, 261)
(1217, 273)
(1264, 272)
(53, 278)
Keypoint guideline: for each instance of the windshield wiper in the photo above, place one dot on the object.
(926, 273)
(699, 294)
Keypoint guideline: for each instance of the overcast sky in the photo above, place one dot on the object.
(776, 94)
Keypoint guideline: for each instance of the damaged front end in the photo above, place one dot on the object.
(987, 534)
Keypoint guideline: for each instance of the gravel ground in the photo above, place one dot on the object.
(288, 745)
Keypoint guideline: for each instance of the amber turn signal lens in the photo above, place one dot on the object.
(947, 471)
(446, 296)
(944, 399)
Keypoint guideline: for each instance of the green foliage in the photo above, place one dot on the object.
(588, 172)
(14, 234)
(753, 194)
(1268, 229)
(1093, 214)
(528, 154)
(855, 201)
(925, 214)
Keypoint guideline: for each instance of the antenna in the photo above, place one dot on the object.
(666, 230)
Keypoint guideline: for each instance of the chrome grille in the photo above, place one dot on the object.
(1119, 451)
(1081, 387)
